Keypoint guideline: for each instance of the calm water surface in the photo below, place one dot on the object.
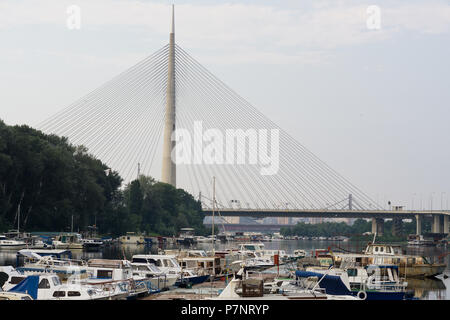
(425, 289)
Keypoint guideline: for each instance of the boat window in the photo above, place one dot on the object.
(153, 268)
(376, 249)
(155, 262)
(59, 294)
(381, 249)
(388, 249)
(139, 260)
(26, 298)
(104, 274)
(73, 294)
(16, 280)
(352, 272)
(44, 284)
(56, 281)
(174, 263)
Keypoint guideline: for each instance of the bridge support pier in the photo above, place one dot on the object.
(418, 224)
(378, 226)
(397, 226)
(436, 225)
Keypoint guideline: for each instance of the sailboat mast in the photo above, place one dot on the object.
(213, 210)
(18, 218)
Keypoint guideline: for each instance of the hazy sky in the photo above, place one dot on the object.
(372, 103)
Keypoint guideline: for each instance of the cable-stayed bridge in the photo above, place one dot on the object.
(169, 117)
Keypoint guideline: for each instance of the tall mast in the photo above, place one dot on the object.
(168, 163)
(213, 210)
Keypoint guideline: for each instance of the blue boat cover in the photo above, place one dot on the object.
(29, 285)
(331, 284)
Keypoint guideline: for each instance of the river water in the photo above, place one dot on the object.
(425, 289)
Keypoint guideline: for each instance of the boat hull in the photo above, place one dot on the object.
(422, 270)
(193, 280)
(380, 295)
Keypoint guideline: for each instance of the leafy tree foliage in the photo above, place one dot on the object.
(50, 181)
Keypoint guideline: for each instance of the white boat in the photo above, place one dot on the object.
(192, 277)
(158, 279)
(241, 287)
(201, 239)
(14, 296)
(418, 240)
(250, 246)
(91, 244)
(49, 287)
(68, 241)
(116, 276)
(64, 269)
(375, 282)
(187, 237)
(167, 263)
(10, 244)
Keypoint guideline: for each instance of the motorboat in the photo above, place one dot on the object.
(192, 277)
(242, 287)
(11, 244)
(167, 263)
(50, 287)
(375, 282)
(34, 263)
(116, 276)
(158, 279)
(418, 240)
(91, 244)
(187, 237)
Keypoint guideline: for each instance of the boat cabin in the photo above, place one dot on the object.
(250, 246)
(167, 263)
(383, 249)
(37, 254)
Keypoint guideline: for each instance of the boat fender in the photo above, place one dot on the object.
(362, 295)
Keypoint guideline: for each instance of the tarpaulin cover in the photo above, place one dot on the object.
(331, 284)
(29, 285)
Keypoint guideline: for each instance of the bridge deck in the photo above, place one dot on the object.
(320, 213)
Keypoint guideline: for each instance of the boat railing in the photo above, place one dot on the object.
(56, 261)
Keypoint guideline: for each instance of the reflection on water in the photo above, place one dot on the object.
(426, 289)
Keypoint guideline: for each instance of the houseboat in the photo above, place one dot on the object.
(385, 254)
(132, 238)
(70, 241)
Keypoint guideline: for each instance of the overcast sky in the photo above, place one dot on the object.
(372, 103)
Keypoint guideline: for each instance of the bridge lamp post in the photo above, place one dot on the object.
(412, 201)
(431, 201)
(442, 196)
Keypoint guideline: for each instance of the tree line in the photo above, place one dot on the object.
(46, 183)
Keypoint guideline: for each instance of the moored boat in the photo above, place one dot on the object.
(11, 244)
(385, 254)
